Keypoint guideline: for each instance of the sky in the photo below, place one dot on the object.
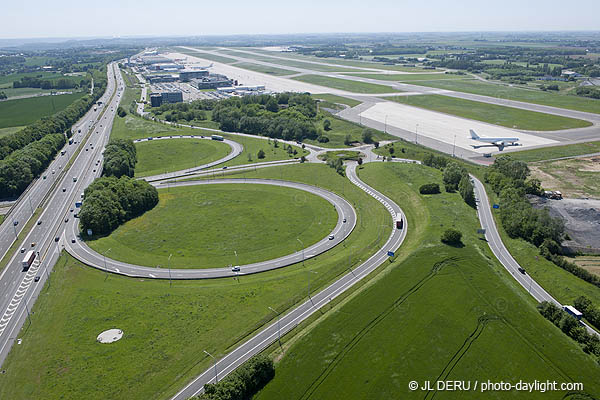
(70, 18)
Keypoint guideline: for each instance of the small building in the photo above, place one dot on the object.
(212, 81)
(187, 74)
(570, 74)
(155, 99)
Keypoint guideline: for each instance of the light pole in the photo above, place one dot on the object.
(15, 223)
(416, 134)
(215, 361)
(169, 264)
(298, 239)
(453, 145)
(385, 128)
(278, 325)
(30, 205)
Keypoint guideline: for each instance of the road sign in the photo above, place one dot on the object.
(496, 206)
(89, 232)
(481, 231)
(390, 254)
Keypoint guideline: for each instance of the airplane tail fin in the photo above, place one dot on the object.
(474, 136)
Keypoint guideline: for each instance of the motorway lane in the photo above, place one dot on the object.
(17, 289)
(236, 150)
(291, 319)
(38, 190)
(503, 255)
(342, 230)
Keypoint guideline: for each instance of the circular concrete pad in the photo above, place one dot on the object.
(109, 336)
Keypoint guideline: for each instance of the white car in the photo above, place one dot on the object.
(235, 269)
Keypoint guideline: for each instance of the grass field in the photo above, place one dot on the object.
(332, 99)
(436, 313)
(134, 127)
(252, 146)
(344, 84)
(549, 153)
(9, 130)
(511, 93)
(26, 111)
(410, 77)
(574, 177)
(492, 113)
(23, 92)
(165, 329)
(203, 226)
(159, 156)
(205, 56)
(343, 154)
(340, 128)
(265, 69)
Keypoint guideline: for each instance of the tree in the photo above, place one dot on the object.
(348, 140)
(367, 135)
(429, 188)
(465, 188)
(249, 157)
(272, 105)
(260, 154)
(121, 112)
(452, 237)
(453, 173)
(391, 150)
(327, 125)
(360, 161)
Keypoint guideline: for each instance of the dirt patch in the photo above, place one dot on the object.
(590, 164)
(574, 177)
(589, 263)
(581, 218)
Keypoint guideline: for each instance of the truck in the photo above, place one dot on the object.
(28, 259)
(399, 222)
(573, 312)
(78, 204)
(217, 137)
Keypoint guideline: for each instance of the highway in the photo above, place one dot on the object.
(340, 232)
(291, 319)
(32, 198)
(19, 289)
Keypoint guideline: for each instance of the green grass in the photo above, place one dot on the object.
(23, 92)
(492, 113)
(410, 77)
(253, 145)
(134, 127)
(549, 153)
(345, 84)
(203, 226)
(26, 111)
(165, 328)
(333, 99)
(340, 128)
(342, 154)
(9, 130)
(160, 156)
(206, 56)
(265, 69)
(6, 81)
(434, 303)
(530, 96)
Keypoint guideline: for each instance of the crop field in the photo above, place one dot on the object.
(549, 153)
(26, 111)
(411, 77)
(344, 84)
(332, 99)
(160, 156)
(265, 69)
(494, 114)
(165, 328)
(530, 96)
(372, 345)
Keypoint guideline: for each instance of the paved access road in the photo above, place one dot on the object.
(236, 150)
(18, 289)
(342, 229)
(502, 254)
(291, 319)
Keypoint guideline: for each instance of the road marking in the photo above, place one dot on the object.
(19, 294)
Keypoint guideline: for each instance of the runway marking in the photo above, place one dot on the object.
(19, 294)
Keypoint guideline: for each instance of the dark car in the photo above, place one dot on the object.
(72, 240)
(64, 189)
(37, 278)
(66, 219)
(56, 239)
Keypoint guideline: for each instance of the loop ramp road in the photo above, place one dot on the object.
(345, 211)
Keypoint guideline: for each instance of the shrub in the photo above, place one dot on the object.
(322, 139)
(429, 188)
(260, 154)
(327, 125)
(451, 236)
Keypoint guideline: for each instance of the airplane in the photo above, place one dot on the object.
(499, 142)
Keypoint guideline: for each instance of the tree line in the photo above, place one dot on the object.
(455, 177)
(120, 157)
(571, 327)
(243, 383)
(60, 83)
(110, 201)
(26, 153)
